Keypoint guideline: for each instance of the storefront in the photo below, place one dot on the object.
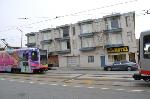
(119, 54)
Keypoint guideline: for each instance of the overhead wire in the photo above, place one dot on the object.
(73, 14)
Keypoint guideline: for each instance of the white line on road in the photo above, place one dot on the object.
(119, 89)
(137, 90)
(64, 85)
(105, 88)
(54, 84)
(11, 80)
(21, 81)
(77, 86)
(91, 87)
(31, 82)
(3, 79)
(42, 83)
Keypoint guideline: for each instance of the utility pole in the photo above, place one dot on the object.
(21, 34)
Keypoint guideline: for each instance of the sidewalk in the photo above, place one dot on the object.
(87, 70)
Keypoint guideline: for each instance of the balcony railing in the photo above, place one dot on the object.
(31, 44)
(113, 45)
(46, 41)
(86, 34)
(63, 39)
(63, 51)
(87, 48)
(30, 34)
(113, 30)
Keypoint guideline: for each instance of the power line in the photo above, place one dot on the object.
(73, 14)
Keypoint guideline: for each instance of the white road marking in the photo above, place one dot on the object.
(64, 85)
(77, 86)
(31, 82)
(3, 79)
(90, 87)
(119, 89)
(42, 83)
(105, 88)
(12, 80)
(54, 84)
(21, 81)
(137, 90)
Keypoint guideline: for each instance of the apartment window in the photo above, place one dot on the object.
(46, 36)
(114, 23)
(73, 30)
(127, 18)
(65, 45)
(87, 42)
(129, 36)
(114, 39)
(68, 44)
(31, 39)
(86, 28)
(90, 59)
(65, 31)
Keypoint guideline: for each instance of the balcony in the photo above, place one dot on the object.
(86, 34)
(113, 45)
(46, 41)
(113, 30)
(87, 48)
(30, 44)
(30, 34)
(63, 39)
(63, 51)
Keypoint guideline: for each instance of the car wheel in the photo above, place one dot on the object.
(129, 68)
(108, 68)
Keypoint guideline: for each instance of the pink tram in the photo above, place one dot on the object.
(24, 60)
(144, 57)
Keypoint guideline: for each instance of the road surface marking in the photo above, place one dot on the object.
(137, 90)
(64, 85)
(90, 87)
(54, 84)
(3, 79)
(21, 81)
(105, 88)
(77, 86)
(12, 80)
(119, 89)
(42, 83)
(31, 82)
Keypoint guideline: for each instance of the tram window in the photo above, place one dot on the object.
(25, 56)
(146, 44)
(34, 56)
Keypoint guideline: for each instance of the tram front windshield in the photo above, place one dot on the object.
(146, 46)
(34, 56)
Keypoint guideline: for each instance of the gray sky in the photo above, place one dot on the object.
(40, 13)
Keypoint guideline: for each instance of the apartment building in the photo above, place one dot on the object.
(89, 43)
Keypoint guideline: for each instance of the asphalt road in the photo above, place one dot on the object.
(13, 89)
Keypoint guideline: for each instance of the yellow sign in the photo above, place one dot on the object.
(118, 49)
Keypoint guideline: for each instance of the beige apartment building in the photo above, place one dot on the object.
(89, 43)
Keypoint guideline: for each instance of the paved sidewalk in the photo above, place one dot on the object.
(87, 70)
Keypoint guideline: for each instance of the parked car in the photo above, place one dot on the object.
(122, 65)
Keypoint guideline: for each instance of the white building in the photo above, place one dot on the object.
(89, 43)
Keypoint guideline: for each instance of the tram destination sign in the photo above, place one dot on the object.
(118, 49)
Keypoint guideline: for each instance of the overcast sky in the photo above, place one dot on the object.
(41, 14)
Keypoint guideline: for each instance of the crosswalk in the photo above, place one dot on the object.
(106, 88)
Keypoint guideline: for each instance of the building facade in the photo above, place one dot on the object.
(89, 43)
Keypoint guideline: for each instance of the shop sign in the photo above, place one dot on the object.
(118, 49)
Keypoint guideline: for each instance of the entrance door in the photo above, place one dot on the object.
(102, 61)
